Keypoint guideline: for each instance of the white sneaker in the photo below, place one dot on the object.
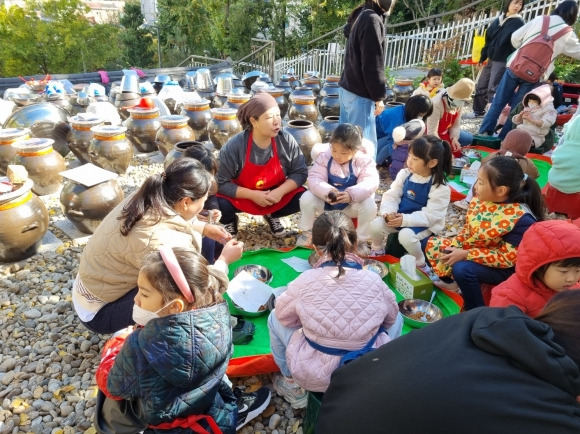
(288, 389)
(305, 239)
(377, 252)
(429, 272)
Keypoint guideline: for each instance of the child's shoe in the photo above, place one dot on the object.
(450, 286)
(429, 272)
(288, 389)
(377, 251)
(305, 239)
(461, 204)
(250, 405)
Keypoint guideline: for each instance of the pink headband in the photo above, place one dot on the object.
(176, 272)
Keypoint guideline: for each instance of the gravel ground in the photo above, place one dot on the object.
(48, 359)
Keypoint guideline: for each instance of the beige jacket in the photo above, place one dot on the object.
(110, 262)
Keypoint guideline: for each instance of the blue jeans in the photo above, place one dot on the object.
(465, 138)
(385, 149)
(114, 316)
(359, 111)
(470, 275)
(504, 94)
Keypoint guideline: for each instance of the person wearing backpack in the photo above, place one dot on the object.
(534, 60)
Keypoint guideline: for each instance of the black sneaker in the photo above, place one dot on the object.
(251, 405)
(232, 228)
(276, 226)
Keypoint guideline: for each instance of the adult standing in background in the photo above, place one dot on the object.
(498, 46)
(564, 16)
(362, 83)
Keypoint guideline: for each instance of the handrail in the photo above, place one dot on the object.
(195, 56)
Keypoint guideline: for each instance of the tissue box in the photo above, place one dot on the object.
(408, 287)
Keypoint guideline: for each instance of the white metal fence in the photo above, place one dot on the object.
(404, 49)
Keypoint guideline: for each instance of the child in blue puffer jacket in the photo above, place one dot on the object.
(168, 375)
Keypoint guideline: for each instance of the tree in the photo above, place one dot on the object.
(138, 47)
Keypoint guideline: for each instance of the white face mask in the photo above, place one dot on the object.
(533, 104)
(142, 316)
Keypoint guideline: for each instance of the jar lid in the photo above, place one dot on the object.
(23, 189)
(108, 130)
(88, 175)
(239, 97)
(192, 105)
(32, 145)
(223, 112)
(143, 111)
(85, 119)
(13, 133)
(276, 91)
(173, 120)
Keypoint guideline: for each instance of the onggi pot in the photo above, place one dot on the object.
(178, 151)
(109, 149)
(224, 124)
(8, 137)
(86, 207)
(199, 115)
(327, 126)
(23, 223)
(80, 136)
(142, 127)
(304, 107)
(174, 129)
(42, 163)
(306, 135)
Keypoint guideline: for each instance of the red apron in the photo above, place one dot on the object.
(444, 125)
(261, 177)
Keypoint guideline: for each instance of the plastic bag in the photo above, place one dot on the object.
(110, 351)
(478, 44)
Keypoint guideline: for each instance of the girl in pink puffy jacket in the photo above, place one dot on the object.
(330, 314)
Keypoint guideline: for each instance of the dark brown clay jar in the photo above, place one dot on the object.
(174, 129)
(329, 106)
(86, 207)
(284, 84)
(304, 107)
(123, 105)
(235, 100)
(403, 90)
(199, 115)
(80, 136)
(178, 151)
(8, 137)
(110, 149)
(278, 95)
(42, 163)
(142, 127)
(329, 88)
(306, 135)
(223, 125)
(23, 223)
(327, 126)
(300, 91)
(313, 83)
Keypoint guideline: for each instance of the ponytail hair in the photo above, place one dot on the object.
(184, 177)
(506, 171)
(335, 233)
(429, 148)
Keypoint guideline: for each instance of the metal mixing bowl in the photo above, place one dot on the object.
(411, 308)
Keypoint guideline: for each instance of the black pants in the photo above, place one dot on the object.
(229, 211)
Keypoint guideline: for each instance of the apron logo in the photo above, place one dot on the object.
(260, 184)
(411, 194)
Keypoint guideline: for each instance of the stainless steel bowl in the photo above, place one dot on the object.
(25, 99)
(258, 271)
(377, 266)
(458, 164)
(412, 309)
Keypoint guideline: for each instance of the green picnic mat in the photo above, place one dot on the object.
(543, 168)
(282, 275)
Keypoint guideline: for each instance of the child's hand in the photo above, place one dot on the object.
(217, 233)
(343, 197)
(452, 255)
(395, 221)
(232, 251)
(216, 215)
(332, 196)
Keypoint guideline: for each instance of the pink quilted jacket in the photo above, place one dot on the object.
(340, 313)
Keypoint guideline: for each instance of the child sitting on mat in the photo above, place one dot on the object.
(330, 314)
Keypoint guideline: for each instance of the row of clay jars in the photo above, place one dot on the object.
(223, 125)
(8, 137)
(174, 129)
(80, 135)
(306, 134)
(42, 163)
(23, 222)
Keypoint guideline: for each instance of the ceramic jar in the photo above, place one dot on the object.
(174, 129)
(178, 151)
(42, 163)
(124, 101)
(223, 125)
(218, 101)
(8, 137)
(303, 107)
(60, 100)
(199, 116)
(327, 126)
(390, 94)
(80, 136)
(235, 100)
(278, 95)
(86, 207)
(284, 84)
(142, 128)
(330, 106)
(306, 135)
(312, 83)
(23, 223)
(109, 148)
(392, 104)
(403, 90)
(330, 87)
(300, 91)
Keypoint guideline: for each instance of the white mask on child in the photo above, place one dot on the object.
(142, 316)
(533, 104)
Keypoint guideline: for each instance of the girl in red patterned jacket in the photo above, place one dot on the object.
(508, 202)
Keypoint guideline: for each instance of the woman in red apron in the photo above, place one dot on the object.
(445, 120)
(262, 169)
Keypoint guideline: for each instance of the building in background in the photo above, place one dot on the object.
(149, 10)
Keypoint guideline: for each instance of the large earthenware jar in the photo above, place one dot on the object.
(178, 150)
(278, 95)
(42, 163)
(305, 134)
(304, 107)
(199, 115)
(327, 126)
(80, 136)
(330, 87)
(235, 100)
(110, 149)
(86, 207)
(301, 91)
(125, 101)
(142, 128)
(174, 129)
(329, 106)
(223, 125)
(23, 223)
(390, 94)
(313, 83)
(8, 137)
(403, 90)
(284, 84)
